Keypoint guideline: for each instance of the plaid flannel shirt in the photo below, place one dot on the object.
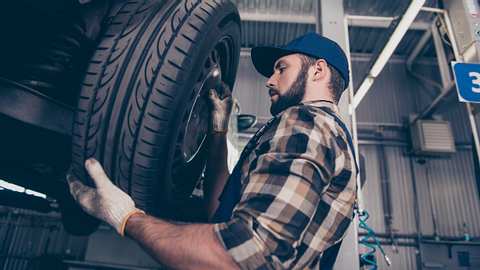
(298, 193)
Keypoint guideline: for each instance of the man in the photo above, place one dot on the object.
(290, 198)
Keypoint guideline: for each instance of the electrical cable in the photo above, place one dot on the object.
(366, 257)
(440, 23)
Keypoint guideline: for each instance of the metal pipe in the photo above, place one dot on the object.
(385, 186)
(381, 22)
(431, 108)
(353, 119)
(318, 14)
(414, 54)
(470, 52)
(353, 115)
(451, 35)
(430, 196)
(386, 19)
(400, 141)
(416, 245)
(419, 47)
(394, 144)
(426, 83)
(432, 9)
(443, 64)
(431, 238)
(446, 242)
(383, 125)
(389, 243)
(416, 211)
(103, 266)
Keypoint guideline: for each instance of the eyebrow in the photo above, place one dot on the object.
(277, 65)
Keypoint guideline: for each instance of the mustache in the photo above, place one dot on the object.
(272, 91)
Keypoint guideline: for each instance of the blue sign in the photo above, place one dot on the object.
(467, 79)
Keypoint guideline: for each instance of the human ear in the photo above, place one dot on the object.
(320, 69)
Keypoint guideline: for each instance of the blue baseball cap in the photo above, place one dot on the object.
(311, 44)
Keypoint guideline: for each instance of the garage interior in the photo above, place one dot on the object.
(418, 144)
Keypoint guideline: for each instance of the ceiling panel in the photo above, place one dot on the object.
(275, 22)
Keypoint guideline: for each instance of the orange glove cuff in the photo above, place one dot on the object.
(121, 230)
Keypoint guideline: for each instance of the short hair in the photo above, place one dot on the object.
(337, 83)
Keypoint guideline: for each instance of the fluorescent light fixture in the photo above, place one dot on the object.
(34, 193)
(17, 188)
(11, 186)
(388, 50)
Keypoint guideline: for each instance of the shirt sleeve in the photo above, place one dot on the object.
(284, 188)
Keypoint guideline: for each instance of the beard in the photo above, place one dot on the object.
(292, 97)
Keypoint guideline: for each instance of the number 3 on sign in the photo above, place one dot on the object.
(475, 81)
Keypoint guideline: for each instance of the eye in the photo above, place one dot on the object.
(281, 69)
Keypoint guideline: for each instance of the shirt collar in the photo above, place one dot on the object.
(322, 103)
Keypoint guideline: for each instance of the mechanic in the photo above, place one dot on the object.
(290, 198)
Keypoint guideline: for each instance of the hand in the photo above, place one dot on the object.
(221, 108)
(105, 202)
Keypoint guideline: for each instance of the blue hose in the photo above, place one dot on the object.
(368, 257)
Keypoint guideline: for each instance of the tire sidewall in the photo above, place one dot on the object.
(184, 103)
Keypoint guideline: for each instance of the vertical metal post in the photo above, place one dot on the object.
(331, 22)
(353, 117)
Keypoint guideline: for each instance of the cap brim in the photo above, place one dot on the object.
(264, 58)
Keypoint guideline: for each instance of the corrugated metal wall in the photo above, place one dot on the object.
(250, 90)
(27, 236)
(446, 193)
(445, 186)
(453, 194)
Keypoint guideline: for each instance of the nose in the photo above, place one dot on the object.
(270, 82)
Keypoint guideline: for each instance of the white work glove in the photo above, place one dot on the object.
(105, 202)
(221, 108)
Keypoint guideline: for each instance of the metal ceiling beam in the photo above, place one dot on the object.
(281, 18)
(397, 35)
(381, 22)
(353, 20)
(367, 57)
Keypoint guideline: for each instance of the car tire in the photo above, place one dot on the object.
(143, 109)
